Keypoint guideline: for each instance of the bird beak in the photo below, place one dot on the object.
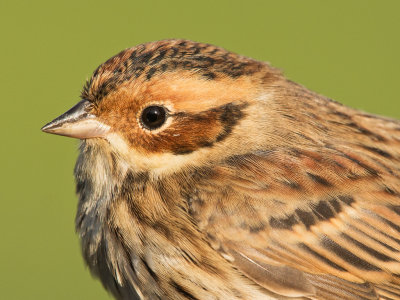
(77, 123)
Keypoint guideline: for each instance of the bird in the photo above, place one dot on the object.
(204, 174)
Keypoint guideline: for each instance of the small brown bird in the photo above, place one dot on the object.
(203, 174)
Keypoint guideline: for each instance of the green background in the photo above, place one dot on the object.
(346, 50)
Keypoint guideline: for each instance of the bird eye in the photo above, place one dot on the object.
(153, 117)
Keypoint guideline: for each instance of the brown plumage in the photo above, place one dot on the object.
(203, 174)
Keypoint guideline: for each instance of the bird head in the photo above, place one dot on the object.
(171, 103)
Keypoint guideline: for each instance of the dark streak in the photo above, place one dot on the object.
(151, 272)
(292, 184)
(369, 169)
(182, 290)
(340, 114)
(290, 117)
(163, 229)
(365, 131)
(209, 75)
(347, 256)
(371, 237)
(283, 223)
(189, 257)
(373, 252)
(336, 205)
(323, 211)
(229, 116)
(307, 218)
(295, 152)
(322, 258)
(150, 73)
(389, 236)
(164, 67)
(395, 208)
(159, 57)
(390, 191)
(207, 59)
(143, 58)
(377, 151)
(183, 151)
(305, 137)
(151, 58)
(319, 179)
(257, 228)
(347, 199)
(390, 223)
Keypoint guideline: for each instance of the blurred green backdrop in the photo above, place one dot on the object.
(347, 50)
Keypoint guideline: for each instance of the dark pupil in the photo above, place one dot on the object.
(153, 117)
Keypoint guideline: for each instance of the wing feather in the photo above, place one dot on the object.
(303, 223)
